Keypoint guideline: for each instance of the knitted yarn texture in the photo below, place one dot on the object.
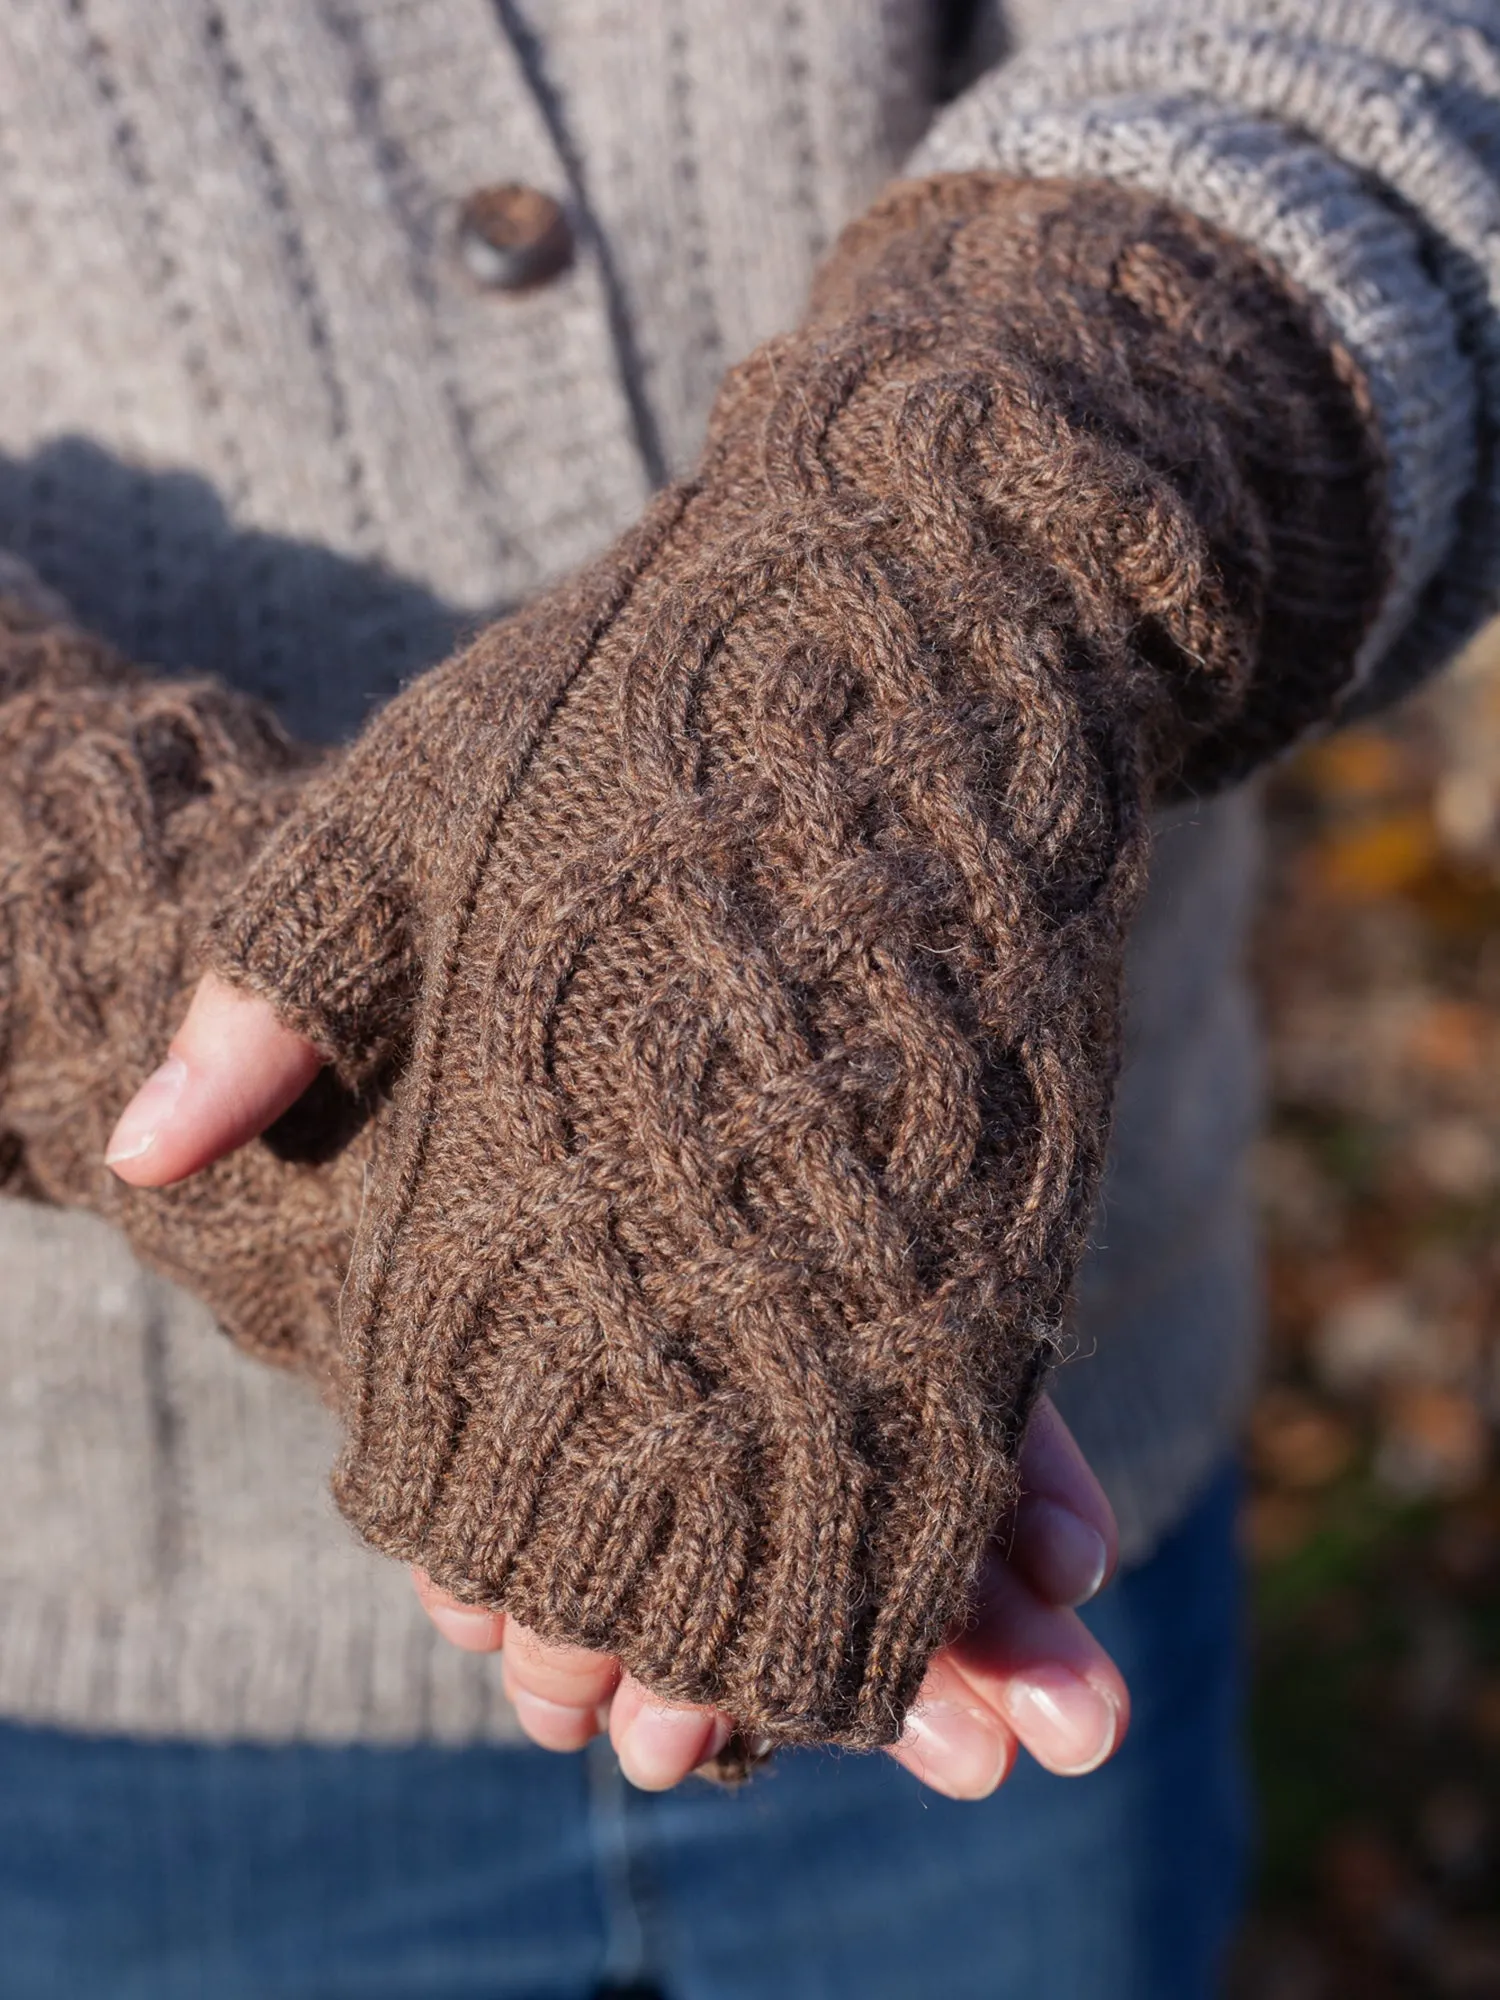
(746, 919)
(128, 808)
(740, 929)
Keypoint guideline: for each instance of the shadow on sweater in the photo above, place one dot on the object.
(153, 562)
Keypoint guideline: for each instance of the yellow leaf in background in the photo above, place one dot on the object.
(1379, 858)
(1356, 764)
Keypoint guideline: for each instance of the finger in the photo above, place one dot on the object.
(554, 1725)
(560, 1694)
(1038, 1668)
(462, 1625)
(659, 1743)
(231, 1070)
(953, 1740)
(565, 1718)
(571, 1675)
(1062, 1538)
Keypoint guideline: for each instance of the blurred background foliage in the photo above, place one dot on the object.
(1373, 1518)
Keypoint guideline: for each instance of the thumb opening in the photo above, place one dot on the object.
(232, 1070)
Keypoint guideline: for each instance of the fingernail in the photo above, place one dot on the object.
(472, 1631)
(1065, 1724)
(954, 1748)
(146, 1113)
(1062, 1554)
(661, 1745)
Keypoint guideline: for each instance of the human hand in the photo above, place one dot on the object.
(1025, 1670)
(741, 930)
(129, 806)
(233, 1069)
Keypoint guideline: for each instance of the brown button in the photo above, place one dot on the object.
(514, 237)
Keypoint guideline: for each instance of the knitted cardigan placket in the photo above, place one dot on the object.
(740, 931)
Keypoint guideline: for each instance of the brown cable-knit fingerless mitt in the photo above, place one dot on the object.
(743, 925)
(128, 808)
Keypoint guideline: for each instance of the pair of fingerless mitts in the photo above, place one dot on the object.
(718, 964)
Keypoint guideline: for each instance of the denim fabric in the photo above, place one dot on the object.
(137, 1871)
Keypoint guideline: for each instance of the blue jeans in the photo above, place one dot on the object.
(136, 1871)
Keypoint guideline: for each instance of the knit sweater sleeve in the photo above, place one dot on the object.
(1356, 143)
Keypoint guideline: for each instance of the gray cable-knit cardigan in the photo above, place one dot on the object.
(259, 417)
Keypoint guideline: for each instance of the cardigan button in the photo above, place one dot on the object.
(513, 238)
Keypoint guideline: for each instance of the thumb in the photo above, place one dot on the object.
(231, 1070)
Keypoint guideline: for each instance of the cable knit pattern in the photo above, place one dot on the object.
(1355, 141)
(303, 466)
(127, 808)
(768, 886)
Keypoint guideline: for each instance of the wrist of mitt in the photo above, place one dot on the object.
(745, 923)
(128, 806)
